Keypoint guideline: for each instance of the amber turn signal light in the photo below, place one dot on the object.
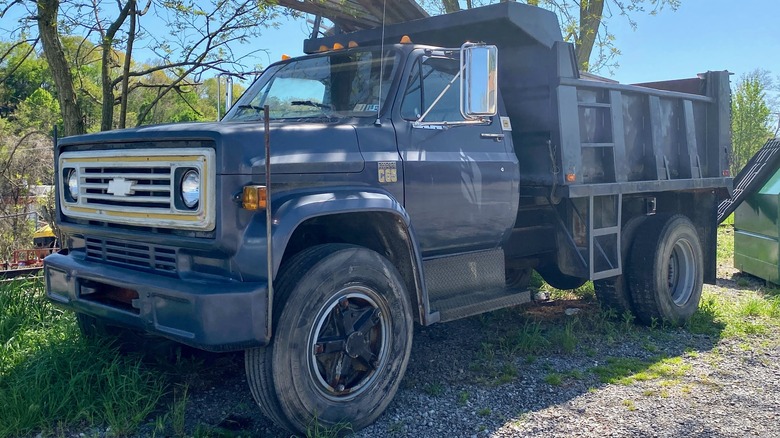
(254, 198)
(571, 177)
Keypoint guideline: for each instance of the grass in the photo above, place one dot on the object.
(51, 379)
(434, 389)
(463, 398)
(627, 370)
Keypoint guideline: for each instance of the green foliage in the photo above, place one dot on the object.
(40, 112)
(749, 118)
(22, 72)
(50, 377)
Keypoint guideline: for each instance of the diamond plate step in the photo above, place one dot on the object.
(469, 284)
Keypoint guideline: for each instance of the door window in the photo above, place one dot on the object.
(429, 76)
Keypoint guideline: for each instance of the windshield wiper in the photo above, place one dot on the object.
(310, 103)
(258, 109)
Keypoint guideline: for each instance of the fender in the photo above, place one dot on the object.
(290, 210)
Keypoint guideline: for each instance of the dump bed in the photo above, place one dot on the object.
(583, 137)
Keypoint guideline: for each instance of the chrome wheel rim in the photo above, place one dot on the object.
(348, 345)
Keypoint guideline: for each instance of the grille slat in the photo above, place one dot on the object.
(137, 187)
(101, 172)
(92, 198)
(132, 254)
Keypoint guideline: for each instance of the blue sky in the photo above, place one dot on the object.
(701, 35)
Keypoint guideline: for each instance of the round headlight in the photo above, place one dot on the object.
(73, 184)
(190, 188)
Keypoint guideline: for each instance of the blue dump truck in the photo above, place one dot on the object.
(418, 174)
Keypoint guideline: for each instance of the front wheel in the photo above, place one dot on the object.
(343, 336)
(666, 271)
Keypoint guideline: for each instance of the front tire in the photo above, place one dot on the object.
(666, 271)
(343, 335)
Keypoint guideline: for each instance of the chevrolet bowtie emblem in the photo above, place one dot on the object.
(121, 187)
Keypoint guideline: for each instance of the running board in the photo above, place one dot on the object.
(462, 305)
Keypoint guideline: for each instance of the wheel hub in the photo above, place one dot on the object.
(356, 344)
(348, 344)
(682, 272)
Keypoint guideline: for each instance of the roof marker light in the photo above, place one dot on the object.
(406, 40)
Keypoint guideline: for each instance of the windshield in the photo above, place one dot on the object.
(340, 84)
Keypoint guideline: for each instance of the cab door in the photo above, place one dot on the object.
(460, 180)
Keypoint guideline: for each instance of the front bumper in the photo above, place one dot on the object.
(215, 315)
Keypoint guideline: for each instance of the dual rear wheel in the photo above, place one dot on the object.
(663, 271)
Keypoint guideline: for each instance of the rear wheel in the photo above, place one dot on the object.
(666, 271)
(343, 335)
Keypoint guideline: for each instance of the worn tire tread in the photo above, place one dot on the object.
(258, 361)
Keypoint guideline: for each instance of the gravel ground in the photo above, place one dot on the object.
(455, 386)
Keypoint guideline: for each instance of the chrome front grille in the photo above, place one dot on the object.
(132, 254)
(139, 187)
(150, 187)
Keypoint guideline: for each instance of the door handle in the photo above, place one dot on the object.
(496, 137)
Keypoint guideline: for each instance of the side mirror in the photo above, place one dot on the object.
(479, 81)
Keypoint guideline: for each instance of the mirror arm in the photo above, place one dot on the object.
(438, 98)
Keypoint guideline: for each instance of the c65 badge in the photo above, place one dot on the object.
(387, 172)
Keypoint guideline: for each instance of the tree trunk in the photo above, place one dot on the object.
(72, 118)
(126, 69)
(451, 6)
(107, 46)
(591, 12)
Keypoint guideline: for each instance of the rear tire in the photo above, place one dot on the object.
(557, 279)
(666, 271)
(343, 335)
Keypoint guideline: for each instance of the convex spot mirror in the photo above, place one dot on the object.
(479, 82)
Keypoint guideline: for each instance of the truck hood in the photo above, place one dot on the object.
(295, 148)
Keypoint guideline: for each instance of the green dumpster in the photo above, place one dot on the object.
(757, 232)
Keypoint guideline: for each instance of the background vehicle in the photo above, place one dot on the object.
(400, 193)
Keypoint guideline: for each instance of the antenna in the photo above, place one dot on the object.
(381, 65)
